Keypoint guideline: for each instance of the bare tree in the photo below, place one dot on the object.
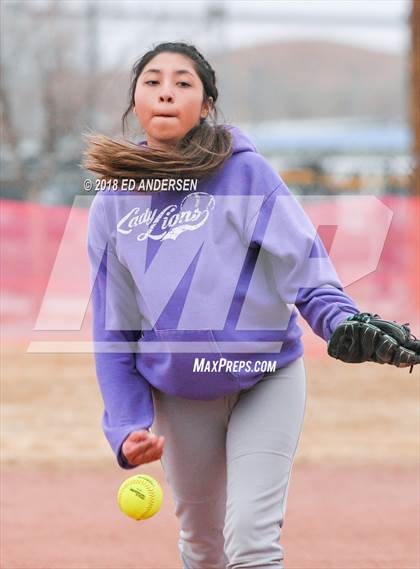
(53, 88)
(42, 92)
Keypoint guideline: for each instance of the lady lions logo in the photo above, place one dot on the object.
(172, 220)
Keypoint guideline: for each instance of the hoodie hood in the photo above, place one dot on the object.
(241, 142)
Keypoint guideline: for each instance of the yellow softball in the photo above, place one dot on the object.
(140, 497)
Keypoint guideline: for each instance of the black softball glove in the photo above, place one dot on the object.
(366, 337)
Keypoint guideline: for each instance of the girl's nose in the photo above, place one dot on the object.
(165, 97)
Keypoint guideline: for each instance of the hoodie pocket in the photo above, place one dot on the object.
(186, 363)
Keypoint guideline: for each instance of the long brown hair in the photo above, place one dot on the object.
(198, 154)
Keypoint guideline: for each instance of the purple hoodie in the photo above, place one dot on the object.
(218, 273)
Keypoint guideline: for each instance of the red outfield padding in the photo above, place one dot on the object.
(372, 242)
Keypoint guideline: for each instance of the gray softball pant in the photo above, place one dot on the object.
(228, 463)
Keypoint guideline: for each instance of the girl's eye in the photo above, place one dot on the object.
(179, 82)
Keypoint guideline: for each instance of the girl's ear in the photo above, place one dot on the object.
(207, 107)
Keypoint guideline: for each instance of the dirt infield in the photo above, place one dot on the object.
(354, 494)
(337, 517)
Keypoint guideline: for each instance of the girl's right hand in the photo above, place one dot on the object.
(142, 446)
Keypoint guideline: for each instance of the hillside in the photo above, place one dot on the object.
(311, 79)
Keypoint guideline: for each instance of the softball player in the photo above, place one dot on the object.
(195, 299)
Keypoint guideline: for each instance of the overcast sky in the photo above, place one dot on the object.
(383, 24)
(391, 35)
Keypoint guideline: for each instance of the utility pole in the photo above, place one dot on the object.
(215, 19)
(92, 61)
(415, 94)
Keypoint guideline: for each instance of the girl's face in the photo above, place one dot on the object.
(168, 100)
